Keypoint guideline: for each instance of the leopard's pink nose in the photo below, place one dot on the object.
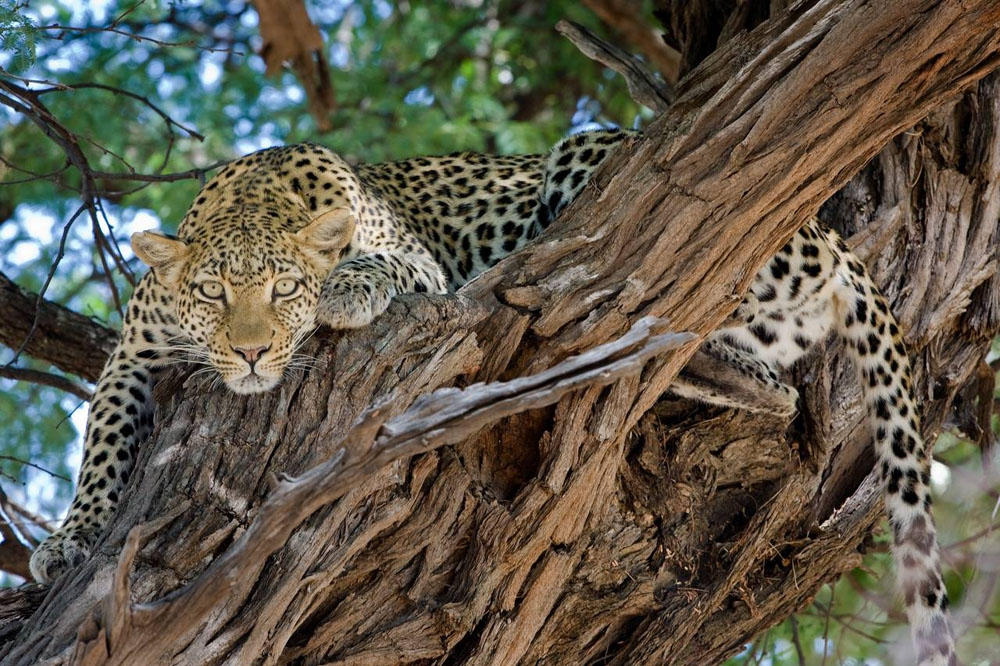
(251, 354)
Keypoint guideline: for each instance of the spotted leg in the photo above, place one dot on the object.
(121, 416)
(744, 313)
(720, 374)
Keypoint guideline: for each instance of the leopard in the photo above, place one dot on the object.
(290, 238)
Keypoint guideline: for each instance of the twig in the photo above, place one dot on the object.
(107, 241)
(642, 84)
(30, 517)
(793, 621)
(160, 177)
(29, 105)
(826, 625)
(34, 176)
(60, 87)
(133, 36)
(45, 379)
(28, 463)
(41, 292)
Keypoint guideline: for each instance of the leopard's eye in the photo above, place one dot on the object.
(285, 287)
(212, 290)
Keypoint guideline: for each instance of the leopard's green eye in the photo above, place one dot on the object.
(212, 290)
(285, 287)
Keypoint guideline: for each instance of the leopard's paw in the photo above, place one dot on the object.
(351, 304)
(62, 551)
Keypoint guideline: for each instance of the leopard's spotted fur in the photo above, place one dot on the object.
(290, 237)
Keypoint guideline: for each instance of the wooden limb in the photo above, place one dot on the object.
(71, 342)
(625, 17)
(14, 555)
(16, 604)
(642, 84)
(443, 417)
(289, 35)
(613, 526)
(45, 379)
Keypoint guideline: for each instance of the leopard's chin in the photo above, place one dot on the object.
(252, 383)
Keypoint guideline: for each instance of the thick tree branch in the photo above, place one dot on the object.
(443, 417)
(572, 521)
(71, 342)
(14, 555)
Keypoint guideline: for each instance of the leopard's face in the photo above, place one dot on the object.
(247, 301)
(249, 316)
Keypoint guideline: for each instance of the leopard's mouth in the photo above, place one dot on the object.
(252, 382)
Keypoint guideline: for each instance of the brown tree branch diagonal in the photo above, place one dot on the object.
(454, 556)
(71, 342)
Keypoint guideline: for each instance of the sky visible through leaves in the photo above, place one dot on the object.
(410, 78)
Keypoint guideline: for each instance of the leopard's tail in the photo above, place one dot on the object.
(873, 338)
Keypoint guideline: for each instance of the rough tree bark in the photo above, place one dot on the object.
(613, 527)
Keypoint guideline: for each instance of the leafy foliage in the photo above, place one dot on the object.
(17, 36)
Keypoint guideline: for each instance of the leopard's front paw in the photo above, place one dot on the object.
(351, 304)
(62, 551)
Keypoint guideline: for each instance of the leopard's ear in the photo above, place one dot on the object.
(327, 234)
(163, 254)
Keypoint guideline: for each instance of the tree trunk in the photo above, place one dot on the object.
(613, 527)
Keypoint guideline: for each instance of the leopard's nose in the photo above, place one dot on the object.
(251, 354)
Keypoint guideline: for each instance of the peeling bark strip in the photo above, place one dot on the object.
(596, 530)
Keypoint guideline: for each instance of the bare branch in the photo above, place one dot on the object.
(60, 87)
(624, 17)
(642, 84)
(45, 379)
(62, 29)
(197, 174)
(28, 463)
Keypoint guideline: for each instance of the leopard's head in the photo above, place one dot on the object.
(245, 285)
